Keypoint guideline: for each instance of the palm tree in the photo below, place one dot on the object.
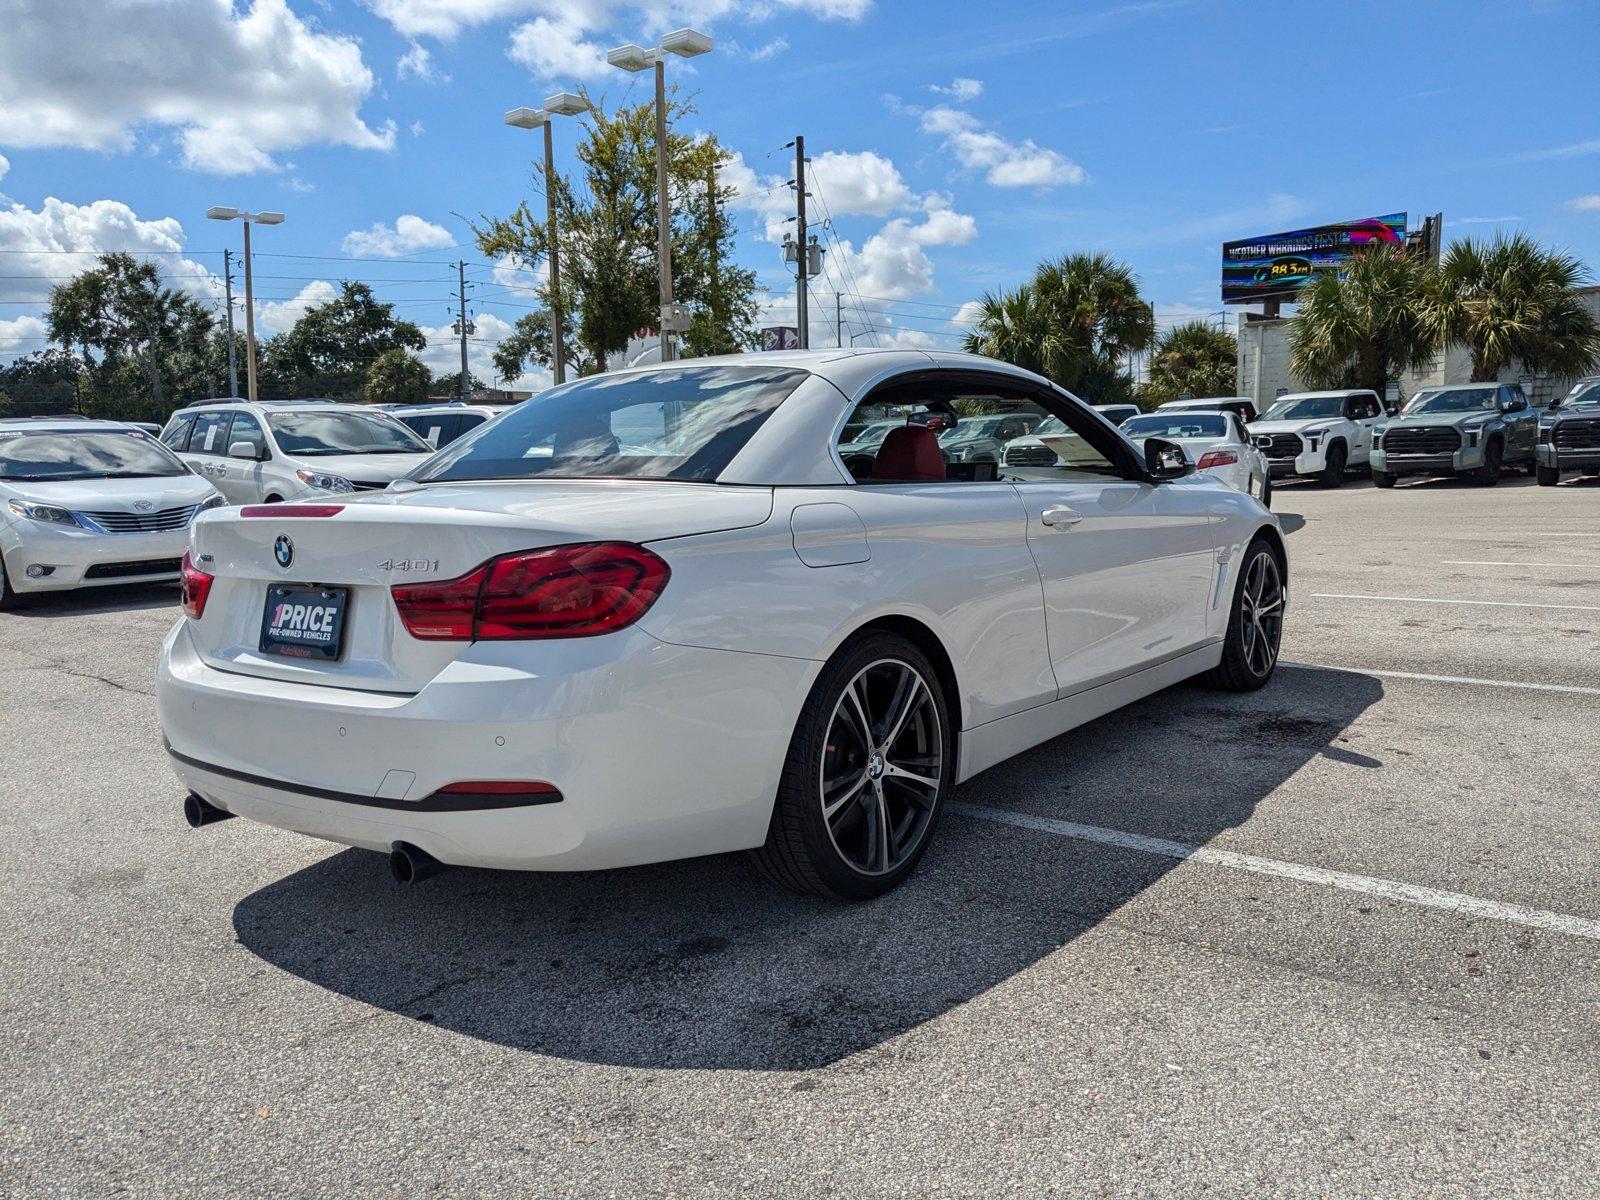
(1365, 329)
(1074, 322)
(1510, 301)
(1195, 359)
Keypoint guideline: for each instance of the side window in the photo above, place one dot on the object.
(209, 435)
(176, 435)
(467, 421)
(967, 427)
(247, 429)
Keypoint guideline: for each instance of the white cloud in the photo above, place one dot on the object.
(1483, 220)
(280, 316)
(510, 274)
(418, 129)
(1589, 203)
(408, 235)
(967, 315)
(848, 183)
(893, 264)
(237, 87)
(5, 165)
(48, 245)
(417, 63)
(21, 335)
(762, 53)
(557, 47)
(446, 18)
(1004, 163)
(443, 352)
(959, 89)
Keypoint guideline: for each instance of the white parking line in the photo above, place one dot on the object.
(1441, 600)
(1483, 562)
(1568, 688)
(1387, 889)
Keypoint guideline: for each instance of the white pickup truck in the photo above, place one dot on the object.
(1318, 435)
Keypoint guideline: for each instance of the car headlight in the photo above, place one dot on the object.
(958, 453)
(324, 481)
(1473, 432)
(1545, 431)
(215, 500)
(50, 514)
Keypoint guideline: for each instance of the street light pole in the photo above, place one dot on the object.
(249, 320)
(687, 43)
(564, 104)
(260, 218)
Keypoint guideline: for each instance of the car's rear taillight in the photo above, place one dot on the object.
(565, 591)
(196, 585)
(1218, 458)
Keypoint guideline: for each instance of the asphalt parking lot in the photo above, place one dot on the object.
(1381, 977)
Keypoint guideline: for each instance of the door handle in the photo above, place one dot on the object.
(1059, 516)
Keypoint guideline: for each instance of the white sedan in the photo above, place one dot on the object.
(1216, 441)
(90, 503)
(553, 648)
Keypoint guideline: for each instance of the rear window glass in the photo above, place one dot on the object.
(685, 423)
(1177, 425)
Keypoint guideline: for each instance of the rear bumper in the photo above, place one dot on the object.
(74, 557)
(659, 751)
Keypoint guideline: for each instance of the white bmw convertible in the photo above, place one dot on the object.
(652, 614)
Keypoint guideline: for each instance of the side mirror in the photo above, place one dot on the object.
(1516, 406)
(245, 450)
(1166, 460)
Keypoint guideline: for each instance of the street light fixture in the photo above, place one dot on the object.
(686, 43)
(562, 104)
(219, 213)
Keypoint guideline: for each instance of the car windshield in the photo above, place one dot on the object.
(968, 427)
(1452, 400)
(1177, 425)
(107, 454)
(314, 434)
(1305, 408)
(1583, 397)
(685, 423)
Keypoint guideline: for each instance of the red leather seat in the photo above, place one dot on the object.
(910, 454)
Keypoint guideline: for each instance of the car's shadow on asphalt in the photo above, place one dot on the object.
(704, 964)
(132, 597)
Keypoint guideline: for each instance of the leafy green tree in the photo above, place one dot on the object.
(450, 385)
(42, 383)
(1195, 359)
(131, 330)
(529, 344)
(332, 346)
(607, 230)
(397, 376)
(1365, 329)
(1510, 301)
(1074, 322)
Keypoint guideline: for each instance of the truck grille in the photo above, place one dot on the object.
(1576, 435)
(1030, 456)
(1284, 445)
(151, 522)
(1421, 439)
(130, 570)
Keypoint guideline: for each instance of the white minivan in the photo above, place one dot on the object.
(292, 449)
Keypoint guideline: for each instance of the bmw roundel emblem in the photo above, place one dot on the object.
(283, 550)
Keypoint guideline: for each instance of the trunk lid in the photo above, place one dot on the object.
(422, 534)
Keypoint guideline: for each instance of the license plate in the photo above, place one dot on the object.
(302, 621)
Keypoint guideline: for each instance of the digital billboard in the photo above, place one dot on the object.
(1278, 265)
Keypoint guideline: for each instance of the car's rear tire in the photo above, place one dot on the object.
(873, 750)
(1255, 623)
(1333, 469)
(1493, 458)
(1382, 478)
(1548, 476)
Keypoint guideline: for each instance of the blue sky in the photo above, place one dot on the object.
(954, 144)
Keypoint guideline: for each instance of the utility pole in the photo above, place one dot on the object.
(711, 226)
(838, 320)
(227, 289)
(463, 326)
(802, 317)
